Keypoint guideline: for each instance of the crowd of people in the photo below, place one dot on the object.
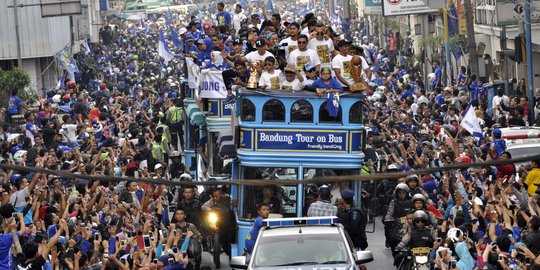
(123, 115)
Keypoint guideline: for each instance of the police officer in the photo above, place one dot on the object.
(158, 153)
(421, 235)
(413, 181)
(177, 168)
(353, 219)
(395, 217)
(175, 121)
(418, 202)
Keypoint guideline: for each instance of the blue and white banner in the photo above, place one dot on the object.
(471, 124)
(211, 84)
(163, 50)
(66, 60)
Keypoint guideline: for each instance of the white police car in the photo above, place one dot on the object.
(303, 243)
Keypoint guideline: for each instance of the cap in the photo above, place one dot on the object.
(200, 41)
(190, 39)
(260, 43)
(289, 70)
(309, 66)
(182, 31)
(237, 41)
(102, 86)
(158, 166)
(326, 70)
(347, 194)
(343, 42)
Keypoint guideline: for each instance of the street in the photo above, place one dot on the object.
(382, 256)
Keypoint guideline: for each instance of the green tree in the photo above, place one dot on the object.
(15, 78)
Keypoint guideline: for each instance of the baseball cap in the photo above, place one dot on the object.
(309, 66)
(182, 31)
(237, 41)
(343, 42)
(260, 43)
(200, 41)
(347, 194)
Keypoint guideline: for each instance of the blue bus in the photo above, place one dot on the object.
(283, 135)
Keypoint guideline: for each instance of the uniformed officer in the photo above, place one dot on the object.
(421, 235)
(175, 121)
(396, 216)
(353, 219)
(418, 202)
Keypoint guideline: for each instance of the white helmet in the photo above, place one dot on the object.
(56, 98)
(20, 156)
(186, 177)
(175, 154)
(403, 187)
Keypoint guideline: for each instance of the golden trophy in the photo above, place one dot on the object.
(253, 79)
(356, 71)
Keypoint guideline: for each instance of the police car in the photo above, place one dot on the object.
(303, 243)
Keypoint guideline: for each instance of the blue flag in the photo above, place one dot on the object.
(269, 5)
(143, 25)
(453, 27)
(175, 39)
(66, 60)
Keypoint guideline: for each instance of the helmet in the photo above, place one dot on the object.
(186, 177)
(403, 187)
(175, 154)
(412, 177)
(15, 177)
(418, 197)
(420, 214)
(454, 234)
(20, 155)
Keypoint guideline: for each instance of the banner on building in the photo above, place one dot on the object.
(373, 7)
(211, 84)
(66, 61)
(404, 7)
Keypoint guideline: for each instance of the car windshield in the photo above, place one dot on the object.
(303, 249)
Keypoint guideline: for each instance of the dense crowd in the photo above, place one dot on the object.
(123, 115)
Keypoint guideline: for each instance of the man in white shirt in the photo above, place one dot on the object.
(301, 56)
(260, 54)
(69, 131)
(238, 17)
(341, 64)
(323, 47)
(289, 44)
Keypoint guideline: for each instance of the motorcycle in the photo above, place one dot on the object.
(213, 246)
(418, 259)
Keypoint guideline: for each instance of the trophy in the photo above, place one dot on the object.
(356, 71)
(253, 79)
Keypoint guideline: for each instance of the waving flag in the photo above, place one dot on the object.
(269, 5)
(471, 124)
(175, 39)
(66, 60)
(163, 51)
(60, 83)
(86, 47)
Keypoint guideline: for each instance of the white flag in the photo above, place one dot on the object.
(471, 124)
(163, 51)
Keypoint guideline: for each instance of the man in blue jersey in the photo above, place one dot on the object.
(223, 17)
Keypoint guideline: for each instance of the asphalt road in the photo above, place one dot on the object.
(382, 257)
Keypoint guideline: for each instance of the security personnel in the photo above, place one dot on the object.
(158, 153)
(421, 235)
(418, 202)
(396, 215)
(175, 121)
(166, 131)
(353, 219)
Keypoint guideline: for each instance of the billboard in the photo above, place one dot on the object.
(52, 8)
(373, 7)
(406, 7)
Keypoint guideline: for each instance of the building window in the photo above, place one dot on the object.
(274, 111)
(326, 117)
(302, 111)
(355, 113)
(248, 110)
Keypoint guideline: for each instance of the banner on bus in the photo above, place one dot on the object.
(211, 85)
(290, 140)
(193, 73)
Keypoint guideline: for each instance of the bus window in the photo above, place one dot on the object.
(355, 113)
(302, 111)
(325, 117)
(281, 199)
(311, 190)
(274, 111)
(248, 110)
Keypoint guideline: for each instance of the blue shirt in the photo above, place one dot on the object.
(6, 241)
(319, 83)
(14, 104)
(251, 238)
(223, 18)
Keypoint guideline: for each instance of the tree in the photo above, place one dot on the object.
(15, 78)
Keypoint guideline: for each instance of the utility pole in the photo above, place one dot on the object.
(17, 34)
(528, 48)
(471, 41)
(427, 51)
(505, 57)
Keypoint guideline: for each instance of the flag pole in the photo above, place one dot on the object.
(446, 46)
